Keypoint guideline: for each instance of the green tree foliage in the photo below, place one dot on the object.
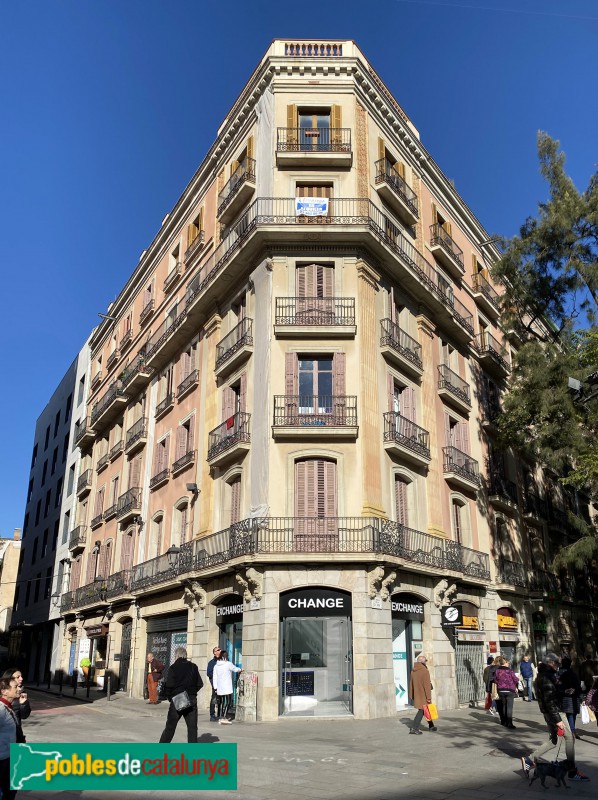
(550, 278)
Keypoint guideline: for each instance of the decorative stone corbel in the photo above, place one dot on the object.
(444, 594)
(378, 584)
(252, 578)
(194, 596)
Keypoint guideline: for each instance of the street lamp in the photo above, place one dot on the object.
(173, 554)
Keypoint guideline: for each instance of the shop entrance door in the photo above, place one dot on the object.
(125, 656)
(469, 661)
(407, 645)
(231, 641)
(317, 669)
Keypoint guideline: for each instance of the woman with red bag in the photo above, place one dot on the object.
(420, 691)
(506, 685)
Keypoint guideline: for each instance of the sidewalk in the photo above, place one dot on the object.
(471, 757)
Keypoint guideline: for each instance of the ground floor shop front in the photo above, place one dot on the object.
(333, 641)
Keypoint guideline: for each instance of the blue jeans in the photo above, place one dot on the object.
(528, 684)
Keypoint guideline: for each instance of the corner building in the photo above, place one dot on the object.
(290, 436)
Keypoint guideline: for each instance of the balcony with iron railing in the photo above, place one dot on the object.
(118, 584)
(453, 389)
(229, 440)
(460, 468)
(234, 348)
(355, 220)
(136, 375)
(110, 512)
(159, 478)
(446, 250)
(394, 190)
(320, 147)
(485, 294)
(91, 594)
(147, 311)
(103, 462)
(97, 379)
(490, 353)
(188, 382)
(184, 461)
(171, 279)
(96, 521)
(165, 342)
(113, 358)
(405, 439)
(84, 433)
(129, 504)
(67, 602)
(543, 582)
(321, 416)
(400, 348)
(502, 492)
(77, 539)
(165, 405)
(534, 506)
(490, 410)
(126, 340)
(136, 437)
(511, 573)
(305, 317)
(84, 483)
(195, 247)
(111, 404)
(116, 449)
(237, 191)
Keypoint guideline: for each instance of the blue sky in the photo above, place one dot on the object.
(108, 108)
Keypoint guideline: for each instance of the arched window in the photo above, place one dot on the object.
(75, 580)
(105, 559)
(92, 564)
(156, 534)
(402, 490)
(503, 540)
(127, 549)
(180, 526)
(460, 521)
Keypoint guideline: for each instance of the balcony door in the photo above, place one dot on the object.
(316, 524)
(314, 131)
(314, 285)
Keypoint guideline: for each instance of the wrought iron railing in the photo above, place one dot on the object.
(84, 481)
(438, 236)
(78, 537)
(165, 404)
(111, 511)
(82, 429)
(113, 357)
(500, 486)
(535, 506)
(316, 535)
(172, 276)
(118, 584)
(136, 432)
(240, 336)
(113, 392)
(486, 344)
(131, 372)
(164, 332)
(67, 602)
(453, 383)
(474, 563)
(159, 478)
(315, 410)
(146, 311)
(544, 582)
(313, 140)
(183, 461)
(127, 337)
(457, 461)
(116, 449)
(195, 246)
(243, 173)
(511, 572)
(96, 521)
(395, 337)
(187, 382)
(128, 501)
(482, 286)
(232, 431)
(102, 462)
(403, 431)
(91, 593)
(386, 173)
(316, 311)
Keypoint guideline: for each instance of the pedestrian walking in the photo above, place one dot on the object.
(506, 685)
(223, 683)
(155, 669)
(420, 692)
(592, 699)
(182, 676)
(21, 705)
(569, 687)
(488, 678)
(216, 651)
(10, 733)
(547, 696)
(528, 672)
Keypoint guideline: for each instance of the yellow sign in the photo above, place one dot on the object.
(471, 622)
(507, 622)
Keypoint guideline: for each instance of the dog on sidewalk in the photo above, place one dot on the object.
(549, 770)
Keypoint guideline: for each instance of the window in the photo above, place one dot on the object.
(195, 228)
(54, 461)
(47, 439)
(58, 498)
(47, 502)
(48, 583)
(99, 502)
(156, 533)
(233, 399)
(25, 525)
(69, 408)
(75, 580)
(105, 559)
(34, 456)
(174, 261)
(27, 593)
(314, 280)
(161, 456)
(181, 521)
(449, 356)
(402, 500)
(44, 472)
(81, 391)
(188, 361)
(503, 540)
(147, 295)
(30, 490)
(184, 443)
(401, 399)
(38, 511)
(233, 492)
(312, 126)
(165, 384)
(34, 551)
(135, 472)
(92, 564)
(71, 481)
(65, 447)
(114, 491)
(56, 423)
(127, 549)
(439, 219)
(460, 521)
(315, 505)
(45, 544)
(456, 433)
(66, 524)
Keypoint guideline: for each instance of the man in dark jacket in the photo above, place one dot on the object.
(548, 699)
(210, 673)
(183, 676)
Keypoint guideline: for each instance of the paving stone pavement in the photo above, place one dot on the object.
(470, 757)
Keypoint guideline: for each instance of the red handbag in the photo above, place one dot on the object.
(488, 703)
(427, 714)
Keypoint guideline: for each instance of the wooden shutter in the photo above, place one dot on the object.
(401, 501)
(92, 560)
(250, 147)
(135, 472)
(447, 430)
(99, 507)
(390, 390)
(126, 552)
(75, 580)
(164, 453)
(184, 513)
(327, 500)
(105, 559)
(235, 501)
(114, 490)
(185, 365)
(190, 435)
(408, 403)
(291, 377)
(228, 403)
(201, 215)
(157, 459)
(338, 376)
(336, 120)
(301, 281)
(243, 392)
(292, 124)
(464, 434)
(434, 214)
(234, 166)
(400, 169)
(327, 280)
(381, 148)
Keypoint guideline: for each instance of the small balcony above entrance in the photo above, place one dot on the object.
(309, 416)
(317, 147)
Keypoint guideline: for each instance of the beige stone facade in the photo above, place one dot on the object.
(295, 390)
